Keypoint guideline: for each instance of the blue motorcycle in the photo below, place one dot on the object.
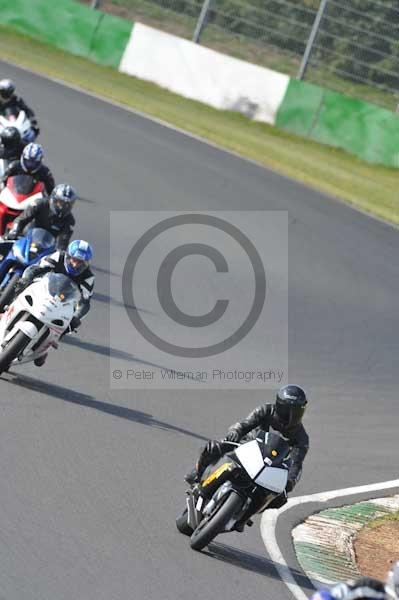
(22, 253)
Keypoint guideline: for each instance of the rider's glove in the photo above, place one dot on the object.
(233, 436)
(20, 286)
(12, 234)
(214, 449)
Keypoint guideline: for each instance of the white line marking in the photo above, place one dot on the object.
(269, 522)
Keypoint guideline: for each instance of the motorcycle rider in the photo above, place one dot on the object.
(285, 416)
(11, 144)
(364, 588)
(31, 163)
(9, 100)
(75, 263)
(53, 214)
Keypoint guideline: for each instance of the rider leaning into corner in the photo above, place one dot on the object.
(364, 588)
(53, 214)
(285, 416)
(31, 163)
(75, 263)
(9, 100)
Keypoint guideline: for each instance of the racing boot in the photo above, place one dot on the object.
(39, 362)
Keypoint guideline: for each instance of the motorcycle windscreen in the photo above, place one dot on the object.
(40, 241)
(274, 447)
(21, 184)
(250, 457)
(59, 285)
(273, 479)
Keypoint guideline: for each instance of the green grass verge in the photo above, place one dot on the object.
(383, 520)
(369, 187)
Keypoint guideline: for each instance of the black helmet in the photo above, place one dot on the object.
(7, 88)
(10, 138)
(62, 199)
(291, 403)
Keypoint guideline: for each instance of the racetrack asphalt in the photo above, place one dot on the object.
(91, 479)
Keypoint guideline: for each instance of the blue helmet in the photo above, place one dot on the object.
(77, 257)
(31, 158)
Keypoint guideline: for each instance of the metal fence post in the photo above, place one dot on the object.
(201, 20)
(95, 3)
(312, 39)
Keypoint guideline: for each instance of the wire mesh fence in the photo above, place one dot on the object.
(356, 49)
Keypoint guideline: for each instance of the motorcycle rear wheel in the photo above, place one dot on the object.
(211, 526)
(13, 350)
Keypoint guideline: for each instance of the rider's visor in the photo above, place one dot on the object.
(76, 265)
(60, 205)
(5, 94)
(31, 163)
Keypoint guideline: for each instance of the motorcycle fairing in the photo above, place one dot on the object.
(251, 458)
(273, 479)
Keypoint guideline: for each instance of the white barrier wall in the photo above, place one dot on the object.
(202, 74)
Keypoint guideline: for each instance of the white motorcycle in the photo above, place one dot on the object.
(240, 484)
(20, 122)
(36, 319)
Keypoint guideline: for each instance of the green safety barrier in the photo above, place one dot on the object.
(370, 132)
(70, 26)
(363, 129)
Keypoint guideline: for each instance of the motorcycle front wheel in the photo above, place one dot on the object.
(13, 350)
(215, 523)
(182, 524)
(8, 293)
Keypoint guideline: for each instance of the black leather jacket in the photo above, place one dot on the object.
(11, 154)
(42, 174)
(264, 417)
(39, 215)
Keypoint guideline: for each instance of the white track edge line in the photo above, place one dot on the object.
(269, 522)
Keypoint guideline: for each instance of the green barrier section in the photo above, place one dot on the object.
(370, 132)
(110, 40)
(299, 108)
(70, 26)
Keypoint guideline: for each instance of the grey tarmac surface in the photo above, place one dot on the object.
(91, 480)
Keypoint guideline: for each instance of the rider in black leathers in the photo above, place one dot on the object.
(31, 163)
(363, 588)
(284, 416)
(11, 144)
(9, 100)
(77, 269)
(53, 214)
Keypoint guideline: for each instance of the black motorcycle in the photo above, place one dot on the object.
(242, 483)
